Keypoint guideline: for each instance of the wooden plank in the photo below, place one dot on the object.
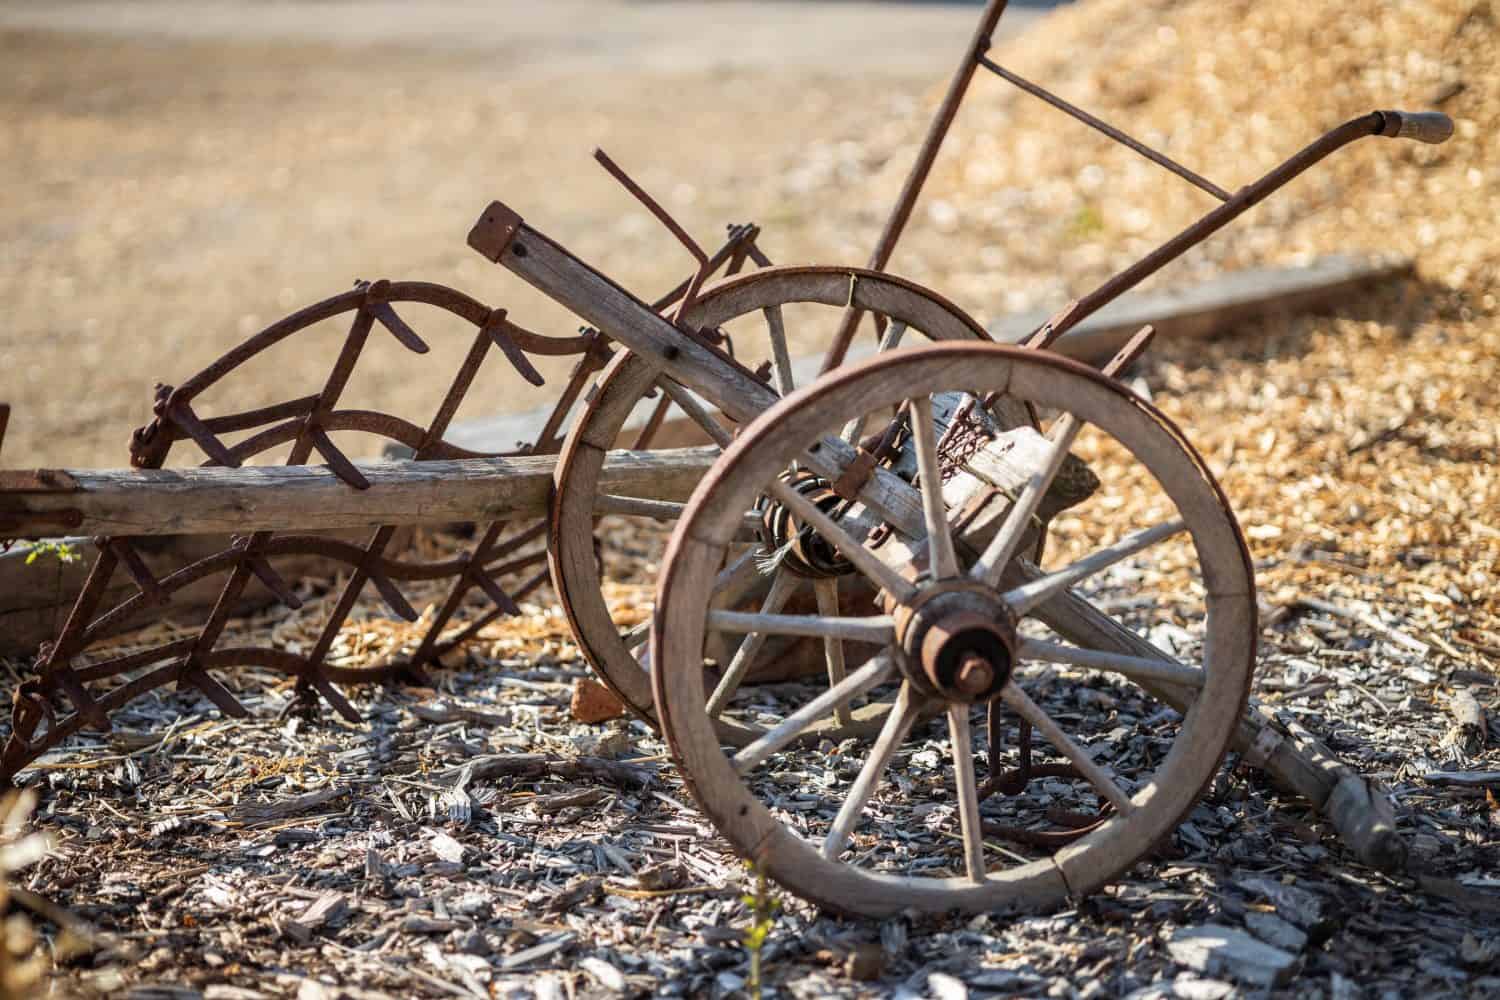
(214, 500)
(1214, 306)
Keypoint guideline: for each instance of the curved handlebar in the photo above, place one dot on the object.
(1424, 126)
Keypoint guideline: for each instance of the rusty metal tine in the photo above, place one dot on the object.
(456, 591)
(502, 600)
(397, 326)
(247, 419)
(705, 264)
(757, 254)
(377, 305)
(337, 460)
(181, 413)
(917, 178)
(336, 698)
(266, 573)
(653, 423)
(734, 244)
(213, 690)
(139, 572)
(1100, 125)
(454, 397)
(1131, 352)
(496, 329)
(393, 597)
(594, 357)
(652, 205)
(479, 623)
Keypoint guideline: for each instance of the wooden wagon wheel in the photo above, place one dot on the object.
(953, 640)
(760, 311)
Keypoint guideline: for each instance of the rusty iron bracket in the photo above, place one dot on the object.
(496, 228)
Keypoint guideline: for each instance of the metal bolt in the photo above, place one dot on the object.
(975, 675)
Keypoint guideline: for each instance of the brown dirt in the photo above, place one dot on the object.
(179, 177)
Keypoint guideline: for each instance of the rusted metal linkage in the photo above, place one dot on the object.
(1161, 159)
(1429, 127)
(926, 156)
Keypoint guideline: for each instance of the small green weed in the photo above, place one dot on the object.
(763, 909)
(62, 550)
(1087, 222)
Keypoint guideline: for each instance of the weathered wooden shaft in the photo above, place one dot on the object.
(135, 502)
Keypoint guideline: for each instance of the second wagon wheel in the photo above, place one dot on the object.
(765, 316)
(903, 820)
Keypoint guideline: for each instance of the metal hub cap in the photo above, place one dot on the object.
(958, 641)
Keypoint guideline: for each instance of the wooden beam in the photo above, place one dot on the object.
(1214, 306)
(144, 502)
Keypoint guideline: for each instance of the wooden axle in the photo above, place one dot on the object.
(213, 500)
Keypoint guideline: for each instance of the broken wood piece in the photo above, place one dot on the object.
(1214, 950)
(1469, 728)
(270, 812)
(326, 910)
(1464, 779)
(1213, 306)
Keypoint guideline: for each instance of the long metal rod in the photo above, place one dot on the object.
(1243, 199)
(915, 180)
(1161, 159)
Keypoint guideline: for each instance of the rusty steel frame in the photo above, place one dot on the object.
(306, 423)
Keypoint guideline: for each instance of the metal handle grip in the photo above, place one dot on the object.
(1424, 126)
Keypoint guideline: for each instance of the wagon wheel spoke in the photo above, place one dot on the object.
(637, 635)
(997, 555)
(943, 563)
(689, 403)
(1101, 777)
(1137, 668)
(781, 358)
(1028, 595)
(837, 698)
(782, 587)
(862, 558)
(656, 510)
(827, 593)
(731, 583)
(890, 340)
(873, 629)
(968, 792)
(897, 724)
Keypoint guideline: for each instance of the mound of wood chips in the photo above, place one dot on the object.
(1358, 450)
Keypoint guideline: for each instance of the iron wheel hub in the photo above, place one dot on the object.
(957, 641)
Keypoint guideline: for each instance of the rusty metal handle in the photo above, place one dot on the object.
(1432, 127)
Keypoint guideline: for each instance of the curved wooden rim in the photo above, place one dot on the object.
(771, 440)
(622, 384)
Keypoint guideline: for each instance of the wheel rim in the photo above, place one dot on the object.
(763, 448)
(616, 396)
